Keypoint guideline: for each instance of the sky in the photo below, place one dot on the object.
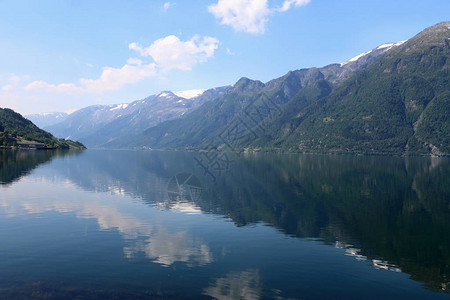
(62, 55)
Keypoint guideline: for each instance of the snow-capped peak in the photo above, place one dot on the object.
(56, 114)
(165, 94)
(383, 48)
(119, 106)
(390, 45)
(189, 94)
(355, 58)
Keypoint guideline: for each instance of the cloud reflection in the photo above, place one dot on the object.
(236, 285)
(111, 212)
(166, 248)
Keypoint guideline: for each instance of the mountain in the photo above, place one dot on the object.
(393, 99)
(99, 124)
(47, 119)
(14, 129)
(398, 105)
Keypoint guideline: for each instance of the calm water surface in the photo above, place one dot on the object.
(154, 225)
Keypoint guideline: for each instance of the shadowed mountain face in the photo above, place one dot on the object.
(392, 100)
(391, 211)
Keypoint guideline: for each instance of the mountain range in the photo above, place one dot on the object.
(393, 99)
(47, 119)
(99, 124)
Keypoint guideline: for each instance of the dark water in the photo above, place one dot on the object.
(154, 225)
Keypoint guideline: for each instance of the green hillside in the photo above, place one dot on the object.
(16, 129)
(398, 105)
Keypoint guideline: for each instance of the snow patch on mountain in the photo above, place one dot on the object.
(55, 114)
(390, 45)
(189, 94)
(48, 114)
(164, 94)
(383, 47)
(46, 118)
(355, 58)
(119, 106)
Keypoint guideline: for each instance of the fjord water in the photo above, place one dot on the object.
(154, 225)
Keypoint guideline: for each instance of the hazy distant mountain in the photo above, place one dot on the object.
(100, 124)
(47, 119)
(391, 100)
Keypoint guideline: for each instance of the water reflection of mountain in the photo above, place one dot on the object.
(393, 211)
(15, 164)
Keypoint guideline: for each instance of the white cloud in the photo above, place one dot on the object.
(167, 53)
(7, 87)
(139, 49)
(134, 61)
(229, 52)
(243, 15)
(289, 3)
(167, 5)
(172, 53)
(60, 88)
(14, 81)
(249, 16)
(113, 79)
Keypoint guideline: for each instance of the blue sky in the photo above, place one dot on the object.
(64, 55)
